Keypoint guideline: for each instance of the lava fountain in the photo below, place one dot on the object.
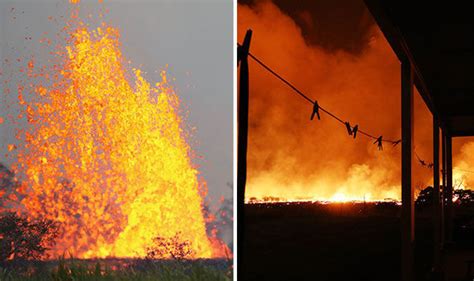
(105, 153)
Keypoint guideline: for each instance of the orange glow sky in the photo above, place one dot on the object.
(357, 78)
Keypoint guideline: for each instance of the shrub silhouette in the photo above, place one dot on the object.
(22, 238)
(462, 197)
(172, 247)
(425, 198)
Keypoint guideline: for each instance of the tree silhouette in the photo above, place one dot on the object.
(425, 198)
(171, 247)
(24, 238)
(462, 197)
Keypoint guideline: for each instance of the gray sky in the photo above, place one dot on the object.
(193, 37)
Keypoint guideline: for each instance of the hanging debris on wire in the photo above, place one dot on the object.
(349, 128)
(395, 143)
(423, 162)
(378, 141)
(316, 107)
(315, 110)
(354, 130)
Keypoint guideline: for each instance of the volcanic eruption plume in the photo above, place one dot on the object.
(105, 152)
(293, 158)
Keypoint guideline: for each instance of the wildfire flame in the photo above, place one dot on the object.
(291, 158)
(106, 157)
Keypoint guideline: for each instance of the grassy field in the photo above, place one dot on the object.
(311, 241)
(111, 270)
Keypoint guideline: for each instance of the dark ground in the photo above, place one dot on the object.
(117, 269)
(339, 241)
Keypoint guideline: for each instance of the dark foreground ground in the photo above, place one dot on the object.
(343, 241)
(118, 270)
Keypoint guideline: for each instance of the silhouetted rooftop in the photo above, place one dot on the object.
(439, 41)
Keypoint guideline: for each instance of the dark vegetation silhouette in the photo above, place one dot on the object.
(462, 197)
(173, 247)
(102, 270)
(425, 198)
(23, 238)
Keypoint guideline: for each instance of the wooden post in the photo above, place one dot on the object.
(407, 214)
(436, 200)
(442, 195)
(242, 58)
(448, 194)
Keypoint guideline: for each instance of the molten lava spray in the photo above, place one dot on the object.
(293, 158)
(107, 157)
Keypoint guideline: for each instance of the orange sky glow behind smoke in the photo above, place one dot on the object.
(292, 157)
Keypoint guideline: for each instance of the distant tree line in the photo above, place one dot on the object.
(464, 197)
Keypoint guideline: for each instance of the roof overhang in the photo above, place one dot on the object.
(437, 39)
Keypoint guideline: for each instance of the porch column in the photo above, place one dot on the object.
(407, 214)
(448, 194)
(443, 189)
(436, 199)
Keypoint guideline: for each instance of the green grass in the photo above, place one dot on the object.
(71, 270)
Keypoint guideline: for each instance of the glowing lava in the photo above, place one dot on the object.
(107, 157)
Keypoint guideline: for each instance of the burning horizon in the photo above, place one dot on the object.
(293, 158)
(106, 152)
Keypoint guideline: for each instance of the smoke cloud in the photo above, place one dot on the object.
(292, 157)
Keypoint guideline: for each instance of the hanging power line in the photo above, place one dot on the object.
(352, 130)
(423, 162)
(430, 165)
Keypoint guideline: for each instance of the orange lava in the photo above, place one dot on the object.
(106, 155)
